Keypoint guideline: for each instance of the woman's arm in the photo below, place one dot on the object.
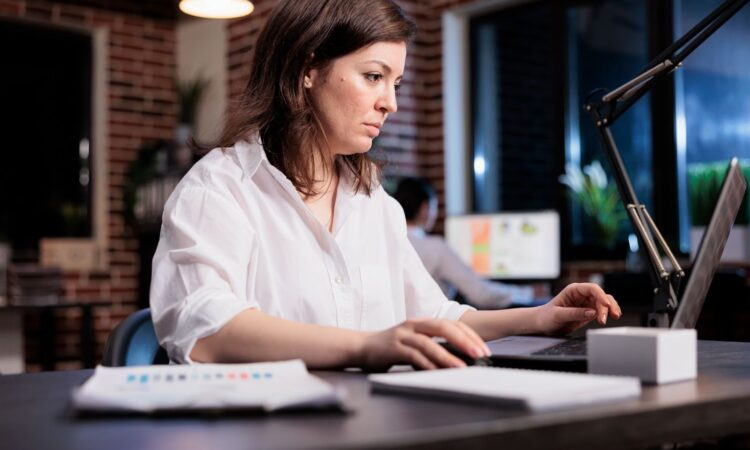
(491, 325)
(254, 336)
(575, 306)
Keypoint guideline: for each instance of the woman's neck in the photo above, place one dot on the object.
(325, 172)
(323, 203)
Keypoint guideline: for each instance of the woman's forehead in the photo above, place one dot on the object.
(390, 55)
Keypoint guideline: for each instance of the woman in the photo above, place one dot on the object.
(282, 244)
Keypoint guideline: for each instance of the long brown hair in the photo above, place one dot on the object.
(300, 35)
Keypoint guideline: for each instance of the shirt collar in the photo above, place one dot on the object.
(250, 154)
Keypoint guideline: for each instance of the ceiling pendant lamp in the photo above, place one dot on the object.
(216, 9)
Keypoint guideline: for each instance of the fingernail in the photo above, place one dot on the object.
(477, 352)
(604, 318)
(487, 351)
(589, 313)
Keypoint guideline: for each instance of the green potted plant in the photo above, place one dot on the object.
(704, 184)
(591, 189)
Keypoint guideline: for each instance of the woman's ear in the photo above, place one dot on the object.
(311, 74)
(311, 77)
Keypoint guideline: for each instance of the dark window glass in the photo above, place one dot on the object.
(45, 87)
(712, 105)
(515, 105)
(606, 47)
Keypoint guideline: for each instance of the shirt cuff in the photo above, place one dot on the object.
(201, 318)
(453, 310)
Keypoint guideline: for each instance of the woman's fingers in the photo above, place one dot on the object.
(466, 341)
(573, 314)
(475, 337)
(416, 358)
(593, 296)
(431, 350)
(614, 307)
(606, 306)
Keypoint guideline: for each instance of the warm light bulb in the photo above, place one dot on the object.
(216, 9)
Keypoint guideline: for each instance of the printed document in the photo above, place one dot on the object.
(261, 386)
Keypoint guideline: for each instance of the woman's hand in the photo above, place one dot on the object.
(411, 343)
(574, 307)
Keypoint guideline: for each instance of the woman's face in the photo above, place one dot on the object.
(354, 95)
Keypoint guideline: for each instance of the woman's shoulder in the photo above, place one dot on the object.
(218, 169)
(380, 197)
(218, 173)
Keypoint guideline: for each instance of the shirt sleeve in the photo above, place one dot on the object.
(200, 269)
(424, 298)
(477, 291)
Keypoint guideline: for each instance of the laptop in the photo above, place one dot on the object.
(569, 354)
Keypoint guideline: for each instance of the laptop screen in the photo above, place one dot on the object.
(712, 246)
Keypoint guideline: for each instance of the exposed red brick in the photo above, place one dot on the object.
(11, 9)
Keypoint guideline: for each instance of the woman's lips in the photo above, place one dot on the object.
(373, 129)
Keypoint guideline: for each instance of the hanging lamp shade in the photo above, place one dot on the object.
(216, 9)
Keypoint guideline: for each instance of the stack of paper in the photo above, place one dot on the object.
(536, 390)
(264, 386)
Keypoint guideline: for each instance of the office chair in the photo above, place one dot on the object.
(133, 343)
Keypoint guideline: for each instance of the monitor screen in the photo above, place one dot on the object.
(508, 245)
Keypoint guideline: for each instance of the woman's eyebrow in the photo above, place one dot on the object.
(386, 67)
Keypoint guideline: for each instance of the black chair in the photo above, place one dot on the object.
(133, 343)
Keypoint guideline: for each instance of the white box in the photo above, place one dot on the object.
(655, 355)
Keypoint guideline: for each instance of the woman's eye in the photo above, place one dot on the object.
(397, 87)
(373, 77)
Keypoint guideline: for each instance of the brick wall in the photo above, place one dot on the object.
(142, 108)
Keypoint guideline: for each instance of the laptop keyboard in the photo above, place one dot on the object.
(574, 346)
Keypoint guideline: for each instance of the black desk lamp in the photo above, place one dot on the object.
(605, 108)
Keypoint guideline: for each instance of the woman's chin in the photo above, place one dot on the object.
(358, 148)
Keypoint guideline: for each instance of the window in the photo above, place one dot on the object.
(515, 63)
(606, 47)
(533, 64)
(712, 105)
(45, 87)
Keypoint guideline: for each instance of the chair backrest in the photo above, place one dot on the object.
(133, 343)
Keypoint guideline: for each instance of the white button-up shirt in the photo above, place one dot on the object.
(236, 235)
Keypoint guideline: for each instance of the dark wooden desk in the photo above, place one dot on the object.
(36, 414)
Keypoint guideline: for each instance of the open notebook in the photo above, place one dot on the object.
(535, 390)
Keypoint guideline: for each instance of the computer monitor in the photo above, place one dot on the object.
(508, 245)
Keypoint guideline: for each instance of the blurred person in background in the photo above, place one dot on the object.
(419, 200)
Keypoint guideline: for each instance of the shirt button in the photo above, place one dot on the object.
(339, 280)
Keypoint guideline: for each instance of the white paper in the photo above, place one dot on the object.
(261, 386)
(536, 390)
